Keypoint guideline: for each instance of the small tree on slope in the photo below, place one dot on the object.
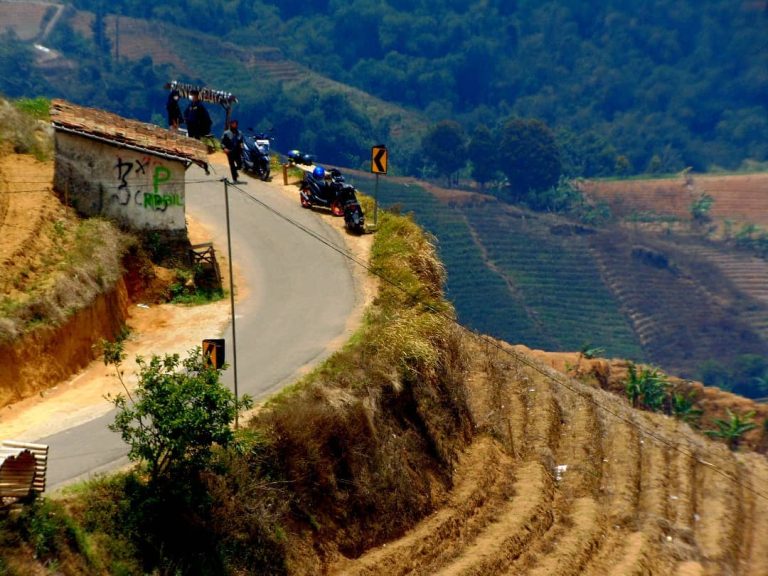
(177, 413)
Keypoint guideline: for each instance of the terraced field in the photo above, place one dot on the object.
(483, 297)
(25, 19)
(548, 262)
(748, 274)
(742, 198)
(566, 479)
(683, 301)
(670, 299)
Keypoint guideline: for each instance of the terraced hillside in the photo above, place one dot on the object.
(748, 274)
(683, 308)
(672, 299)
(741, 198)
(548, 263)
(472, 285)
(566, 479)
(27, 19)
(517, 276)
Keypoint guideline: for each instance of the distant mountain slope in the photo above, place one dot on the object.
(26, 19)
(683, 309)
(652, 87)
(248, 70)
(547, 261)
(671, 299)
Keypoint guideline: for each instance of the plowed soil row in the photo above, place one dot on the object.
(592, 487)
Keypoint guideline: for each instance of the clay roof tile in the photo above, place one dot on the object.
(103, 125)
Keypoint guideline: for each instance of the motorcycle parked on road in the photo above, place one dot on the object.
(329, 190)
(354, 219)
(256, 154)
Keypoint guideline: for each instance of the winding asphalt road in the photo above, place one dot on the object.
(300, 293)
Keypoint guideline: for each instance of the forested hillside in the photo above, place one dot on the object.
(608, 90)
(651, 86)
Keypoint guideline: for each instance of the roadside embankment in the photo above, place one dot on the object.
(49, 354)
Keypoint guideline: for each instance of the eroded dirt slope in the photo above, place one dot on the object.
(568, 479)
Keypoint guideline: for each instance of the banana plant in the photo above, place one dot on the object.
(646, 388)
(732, 429)
(682, 407)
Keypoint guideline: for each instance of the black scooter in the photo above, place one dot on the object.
(354, 219)
(332, 192)
(256, 156)
(328, 192)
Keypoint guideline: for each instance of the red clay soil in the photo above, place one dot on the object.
(741, 198)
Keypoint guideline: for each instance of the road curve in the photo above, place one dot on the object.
(296, 296)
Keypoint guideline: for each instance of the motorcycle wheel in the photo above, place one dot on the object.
(337, 209)
(265, 174)
(304, 202)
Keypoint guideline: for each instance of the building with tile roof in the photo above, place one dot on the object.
(126, 170)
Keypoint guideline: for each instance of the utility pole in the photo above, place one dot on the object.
(232, 300)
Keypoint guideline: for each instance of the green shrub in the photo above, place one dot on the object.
(733, 428)
(646, 388)
(683, 407)
(37, 108)
(51, 532)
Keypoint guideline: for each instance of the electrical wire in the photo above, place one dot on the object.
(679, 447)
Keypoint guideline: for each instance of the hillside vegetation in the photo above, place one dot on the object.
(650, 284)
(652, 87)
(676, 88)
(53, 262)
(422, 449)
(461, 453)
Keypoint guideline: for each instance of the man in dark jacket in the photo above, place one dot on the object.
(175, 119)
(232, 144)
(197, 118)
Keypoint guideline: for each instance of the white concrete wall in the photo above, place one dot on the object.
(139, 190)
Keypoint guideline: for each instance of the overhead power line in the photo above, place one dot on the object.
(679, 447)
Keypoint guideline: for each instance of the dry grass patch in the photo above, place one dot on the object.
(49, 285)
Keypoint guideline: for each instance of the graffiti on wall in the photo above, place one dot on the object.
(144, 170)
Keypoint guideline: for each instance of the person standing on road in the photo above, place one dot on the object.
(175, 119)
(232, 144)
(197, 118)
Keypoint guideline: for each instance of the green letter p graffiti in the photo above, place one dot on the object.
(162, 174)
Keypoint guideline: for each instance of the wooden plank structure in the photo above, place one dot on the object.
(206, 94)
(204, 256)
(23, 469)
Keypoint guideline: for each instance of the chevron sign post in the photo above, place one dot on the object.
(379, 161)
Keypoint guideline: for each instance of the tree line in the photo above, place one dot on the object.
(652, 87)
